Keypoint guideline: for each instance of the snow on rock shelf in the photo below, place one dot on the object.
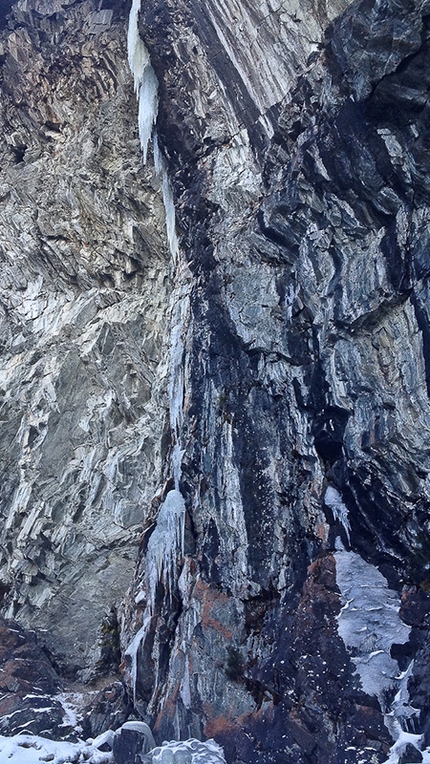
(33, 749)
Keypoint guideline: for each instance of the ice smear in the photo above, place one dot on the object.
(333, 499)
(179, 317)
(169, 204)
(369, 624)
(179, 320)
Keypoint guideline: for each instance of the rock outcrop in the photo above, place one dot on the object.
(296, 145)
(84, 302)
(269, 385)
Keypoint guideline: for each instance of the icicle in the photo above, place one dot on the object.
(165, 545)
(180, 311)
(146, 88)
(133, 648)
(169, 204)
(145, 79)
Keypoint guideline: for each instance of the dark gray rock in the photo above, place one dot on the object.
(296, 141)
(303, 218)
(410, 754)
(131, 742)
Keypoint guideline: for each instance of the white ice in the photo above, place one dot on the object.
(165, 545)
(145, 80)
(333, 499)
(369, 622)
(163, 554)
(133, 648)
(188, 752)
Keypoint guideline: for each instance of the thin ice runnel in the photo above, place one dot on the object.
(146, 88)
(166, 544)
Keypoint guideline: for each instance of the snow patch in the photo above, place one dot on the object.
(32, 749)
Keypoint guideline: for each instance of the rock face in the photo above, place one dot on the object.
(84, 300)
(280, 602)
(296, 140)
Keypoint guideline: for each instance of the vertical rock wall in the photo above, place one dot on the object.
(295, 136)
(84, 299)
(289, 377)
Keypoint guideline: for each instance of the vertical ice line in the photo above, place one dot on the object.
(166, 543)
(146, 88)
(180, 307)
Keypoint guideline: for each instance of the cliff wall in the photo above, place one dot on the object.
(295, 136)
(248, 416)
(84, 300)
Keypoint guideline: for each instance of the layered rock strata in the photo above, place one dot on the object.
(84, 301)
(295, 139)
(278, 410)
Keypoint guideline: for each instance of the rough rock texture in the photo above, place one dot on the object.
(280, 603)
(28, 685)
(84, 298)
(296, 139)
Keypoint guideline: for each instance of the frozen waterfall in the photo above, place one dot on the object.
(166, 543)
